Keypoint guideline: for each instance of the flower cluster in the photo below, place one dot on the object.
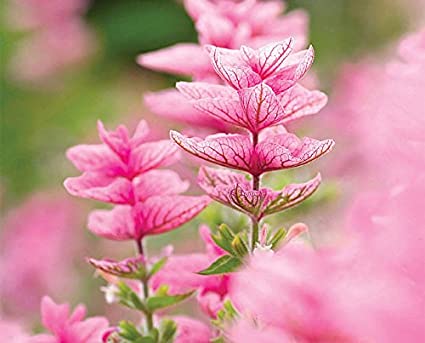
(261, 94)
(226, 24)
(123, 171)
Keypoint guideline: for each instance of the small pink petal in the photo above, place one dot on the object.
(158, 182)
(54, 316)
(174, 60)
(99, 187)
(95, 158)
(298, 102)
(116, 224)
(153, 155)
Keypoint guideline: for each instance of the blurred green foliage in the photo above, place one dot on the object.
(38, 123)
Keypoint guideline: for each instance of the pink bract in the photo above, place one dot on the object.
(272, 153)
(234, 190)
(254, 108)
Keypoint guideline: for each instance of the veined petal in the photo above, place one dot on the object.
(153, 155)
(118, 140)
(116, 224)
(164, 213)
(261, 107)
(128, 268)
(292, 70)
(298, 102)
(174, 60)
(115, 190)
(288, 151)
(171, 104)
(232, 69)
(215, 29)
(96, 157)
(228, 150)
(158, 182)
(201, 90)
(292, 195)
(267, 59)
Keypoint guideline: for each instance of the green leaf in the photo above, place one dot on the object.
(168, 329)
(157, 266)
(161, 300)
(128, 331)
(224, 264)
(129, 298)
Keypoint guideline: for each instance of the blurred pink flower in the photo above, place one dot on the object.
(180, 274)
(66, 327)
(191, 331)
(12, 331)
(38, 247)
(58, 39)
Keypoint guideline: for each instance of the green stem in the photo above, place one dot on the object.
(255, 187)
(254, 233)
(145, 282)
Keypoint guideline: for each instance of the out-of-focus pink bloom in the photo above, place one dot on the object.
(227, 24)
(235, 190)
(66, 327)
(50, 51)
(191, 331)
(180, 274)
(30, 14)
(12, 331)
(38, 246)
(237, 151)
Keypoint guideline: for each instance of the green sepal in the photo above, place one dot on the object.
(162, 299)
(168, 329)
(156, 267)
(224, 238)
(129, 298)
(224, 264)
(239, 246)
(278, 236)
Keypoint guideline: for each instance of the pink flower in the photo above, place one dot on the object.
(31, 266)
(191, 331)
(66, 327)
(12, 331)
(236, 151)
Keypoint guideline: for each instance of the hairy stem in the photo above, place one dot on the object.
(145, 282)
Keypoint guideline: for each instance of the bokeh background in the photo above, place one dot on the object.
(45, 110)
